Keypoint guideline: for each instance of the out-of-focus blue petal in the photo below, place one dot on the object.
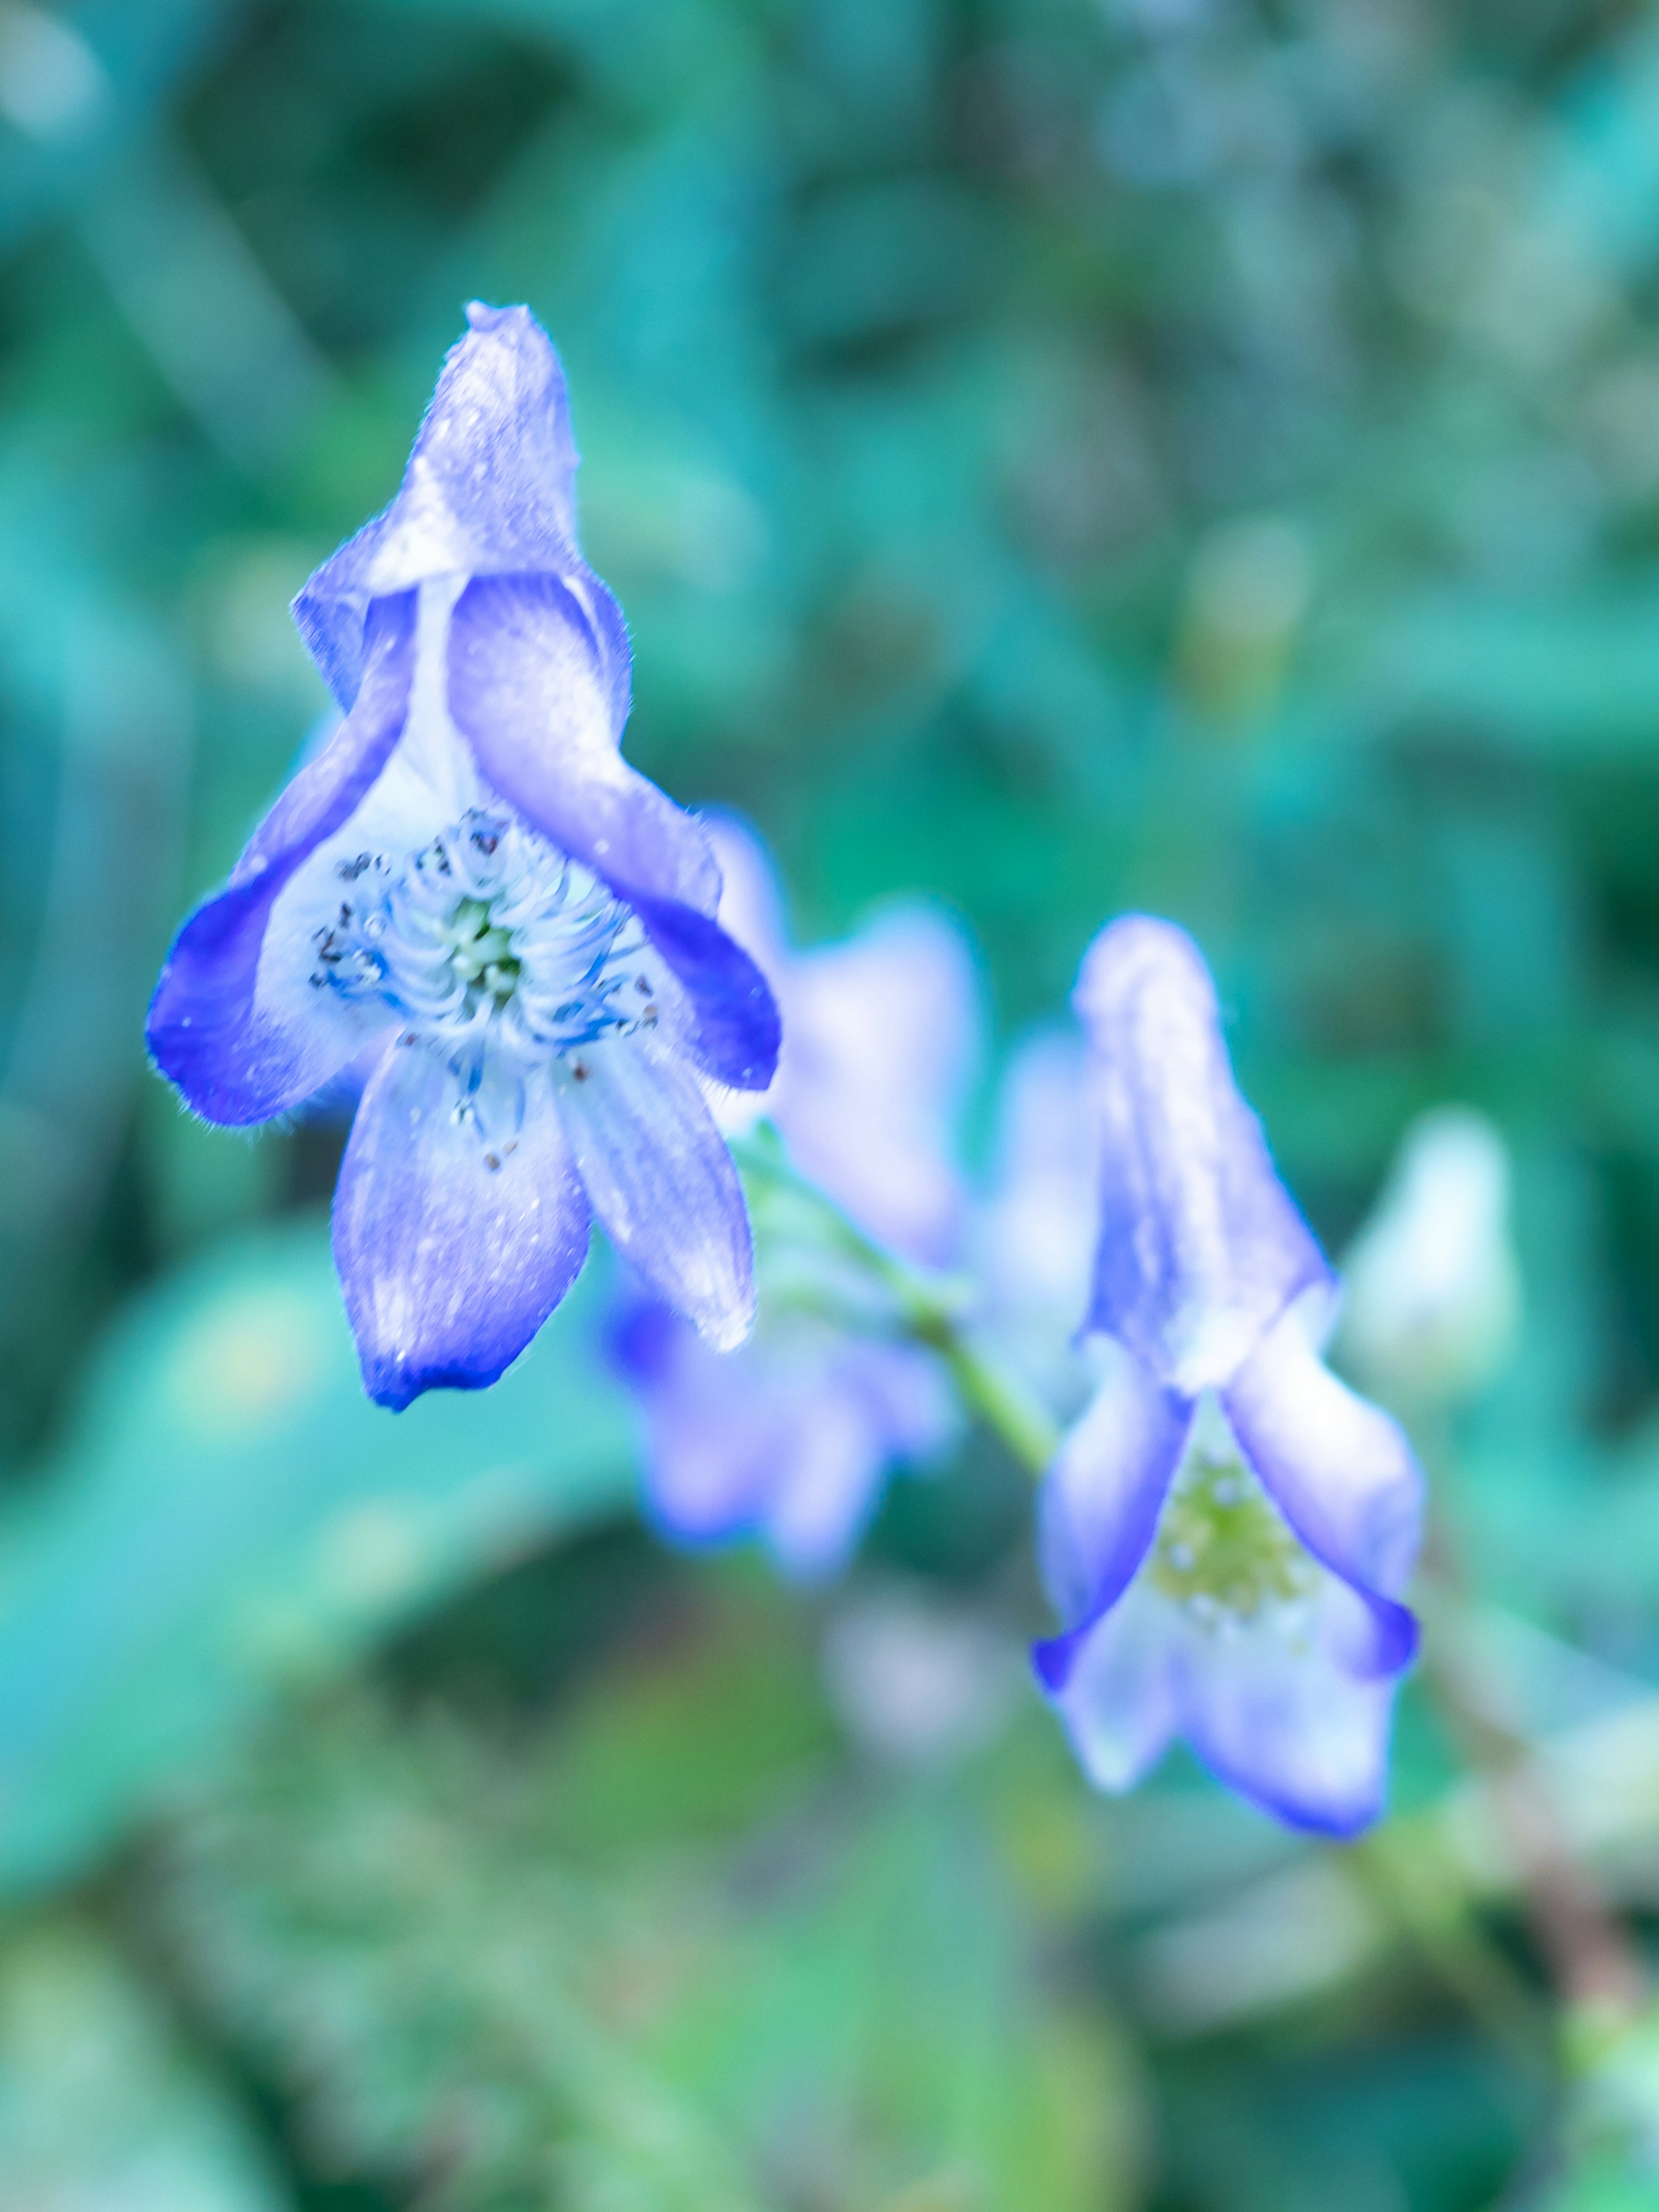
(1100, 1501)
(787, 1439)
(1275, 1716)
(1119, 1696)
(883, 1037)
(235, 1060)
(450, 1264)
(490, 489)
(1200, 1247)
(1343, 1475)
(1033, 1237)
(661, 1180)
(1283, 1721)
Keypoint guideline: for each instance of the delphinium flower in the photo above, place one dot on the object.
(471, 888)
(1228, 1529)
(789, 1438)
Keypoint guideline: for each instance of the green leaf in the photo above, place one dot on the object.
(232, 1513)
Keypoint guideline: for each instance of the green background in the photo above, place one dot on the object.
(1055, 455)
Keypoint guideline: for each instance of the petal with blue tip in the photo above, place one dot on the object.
(452, 1247)
(1100, 1501)
(235, 1059)
(661, 1180)
(1343, 1475)
(1285, 1723)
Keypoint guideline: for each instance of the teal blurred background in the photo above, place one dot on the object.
(1057, 455)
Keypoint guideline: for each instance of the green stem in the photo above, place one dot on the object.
(928, 1314)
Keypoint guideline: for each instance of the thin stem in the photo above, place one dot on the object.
(930, 1312)
(1592, 1961)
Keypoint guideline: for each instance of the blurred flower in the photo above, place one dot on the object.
(1033, 1237)
(917, 1682)
(1227, 1530)
(1431, 1289)
(790, 1437)
(469, 876)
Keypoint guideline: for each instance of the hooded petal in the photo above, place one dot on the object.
(538, 684)
(661, 1180)
(1343, 1475)
(1200, 1247)
(235, 1059)
(1100, 1501)
(452, 1253)
(489, 487)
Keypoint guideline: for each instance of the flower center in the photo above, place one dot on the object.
(1223, 1549)
(490, 934)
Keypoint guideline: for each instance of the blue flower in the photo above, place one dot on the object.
(1228, 1529)
(470, 884)
(789, 1438)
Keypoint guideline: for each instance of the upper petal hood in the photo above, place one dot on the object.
(491, 487)
(535, 688)
(1200, 1246)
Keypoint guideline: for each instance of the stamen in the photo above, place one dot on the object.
(1224, 1550)
(490, 937)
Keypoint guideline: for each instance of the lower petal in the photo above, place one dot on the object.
(1278, 1718)
(1341, 1471)
(661, 1180)
(1119, 1702)
(451, 1254)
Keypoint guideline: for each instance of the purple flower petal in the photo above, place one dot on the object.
(1284, 1723)
(538, 683)
(786, 1438)
(235, 1059)
(883, 1041)
(1101, 1500)
(1342, 1474)
(883, 1035)
(735, 1030)
(1200, 1246)
(1277, 1717)
(489, 488)
(1119, 1696)
(661, 1180)
(450, 1264)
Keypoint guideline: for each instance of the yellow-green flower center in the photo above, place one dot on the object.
(1222, 1548)
(482, 953)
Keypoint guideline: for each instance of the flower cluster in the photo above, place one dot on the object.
(561, 994)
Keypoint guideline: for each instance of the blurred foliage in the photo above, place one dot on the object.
(1060, 454)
